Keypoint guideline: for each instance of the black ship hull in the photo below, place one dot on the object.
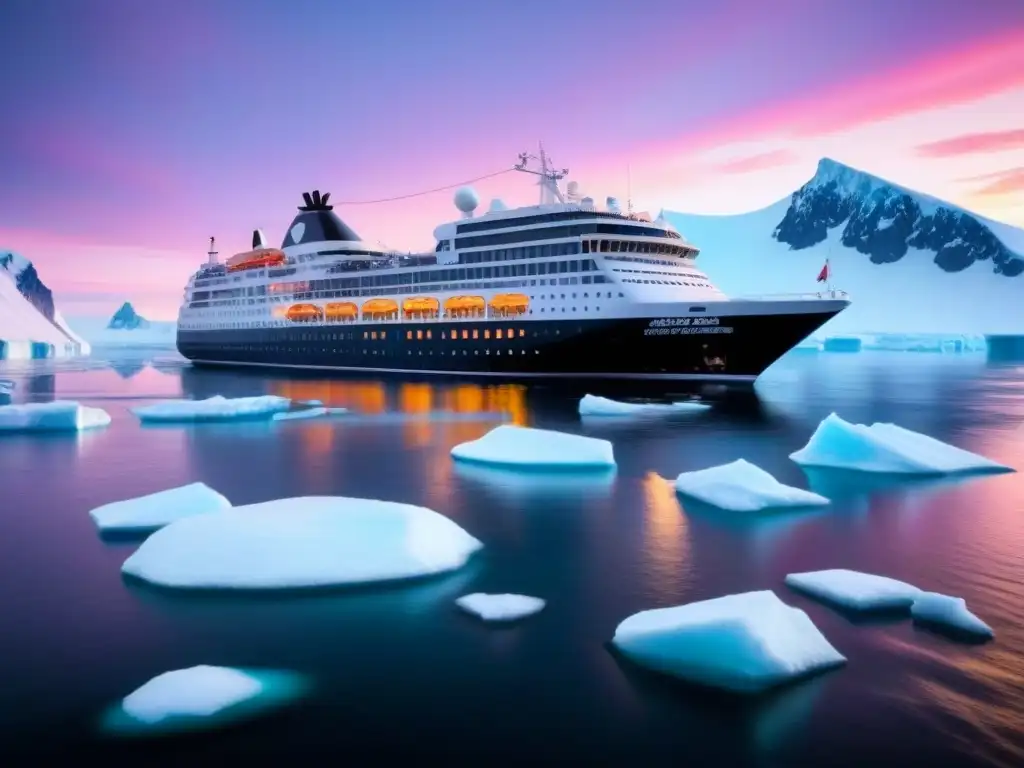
(724, 349)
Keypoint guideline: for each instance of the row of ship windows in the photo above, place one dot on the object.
(697, 284)
(547, 218)
(554, 233)
(572, 280)
(335, 350)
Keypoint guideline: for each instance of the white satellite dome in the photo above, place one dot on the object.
(497, 204)
(466, 199)
(572, 190)
(587, 203)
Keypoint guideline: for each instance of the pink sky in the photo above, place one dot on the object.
(949, 121)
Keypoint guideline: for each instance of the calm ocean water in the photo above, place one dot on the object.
(400, 674)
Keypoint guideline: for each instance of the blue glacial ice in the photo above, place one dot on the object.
(308, 413)
(201, 697)
(526, 447)
(592, 405)
(745, 643)
(55, 416)
(842, 344)
(743, 487)
(313, 541)
(855, 591)
(950, 613)
(503, 607)
(216, 408)
(925, 342)
(155, 510)
(886, 448)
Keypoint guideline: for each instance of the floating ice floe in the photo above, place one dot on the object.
(886, 448)
(842, 344)
(312, 541)
(950, 613)
(506, 607)
(527, 447)
(155, 510)
(216, 408)
(743, 487)
(202, 696)
(56, 416)
(308, 413)
(592, 405)
(854, 590)
(744, 643)
(311, 403)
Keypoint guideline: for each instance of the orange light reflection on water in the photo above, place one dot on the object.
(666, 537)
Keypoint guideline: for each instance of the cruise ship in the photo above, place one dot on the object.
(561, 289)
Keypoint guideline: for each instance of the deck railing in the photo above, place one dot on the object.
(808, 296)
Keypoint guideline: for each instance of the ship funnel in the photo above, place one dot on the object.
(258, 239)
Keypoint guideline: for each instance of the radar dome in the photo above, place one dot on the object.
(466, 199)
(497, 204)
(587, 203)
(572, 190)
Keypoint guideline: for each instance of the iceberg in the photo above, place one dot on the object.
(155, 510)
(505, 607)
(201, 696)
(855, 591)
(886, 448)
(842, 344)
(592, 405)
(55, 416)
(216, 408)
(528, 447)
(743, 487)
(746, 643)
(948, 613)
(311, 403)
(312, 541)
(307, 413)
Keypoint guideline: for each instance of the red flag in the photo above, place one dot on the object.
(824, 274)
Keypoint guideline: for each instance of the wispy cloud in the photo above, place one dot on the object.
(759, 162)
(974, 143)
(999, 183)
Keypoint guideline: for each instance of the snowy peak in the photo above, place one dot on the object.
(884, 222)
(23, 273)
(127, 319)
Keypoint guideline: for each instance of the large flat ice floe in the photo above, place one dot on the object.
(542, 448)
(505, 607)
(56, 416)
(886, 448)
(202, 696)
(216, 408)
(855, 591)
(308, 413)
(743, 487)
(950, 614)
(155, 510)
(593, 405)
(312, 541)
(743, 643)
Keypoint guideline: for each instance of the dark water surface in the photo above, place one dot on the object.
(399, 674)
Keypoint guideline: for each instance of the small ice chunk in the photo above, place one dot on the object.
(949, 613)
(198, 691)
(311, 403)
(312, 541)
(307, 413)
(743, 487)
(886, 448)
(744, 643)
(55, 416)
(592, 405)
(505, 607)
(854, 590)
(155, 510)
(527, 447)
(216, 408)
(336, 410)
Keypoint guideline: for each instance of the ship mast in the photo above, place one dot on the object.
(549, 177)
(211, 255)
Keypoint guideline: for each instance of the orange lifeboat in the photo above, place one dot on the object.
(465, 306)
(421, 306)
(341, 311)
(505, 304)
(256, 258)
(304, 313)
(380, 309)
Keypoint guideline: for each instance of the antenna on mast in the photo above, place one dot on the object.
(549, 177)
(629, 190)
(211, 255)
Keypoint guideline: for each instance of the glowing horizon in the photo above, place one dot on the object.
(115, 177)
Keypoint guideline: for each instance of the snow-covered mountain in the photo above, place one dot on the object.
(30, 325)
(125, 328)
(911, 263)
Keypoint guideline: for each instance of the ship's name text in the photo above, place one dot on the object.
(675, 326)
